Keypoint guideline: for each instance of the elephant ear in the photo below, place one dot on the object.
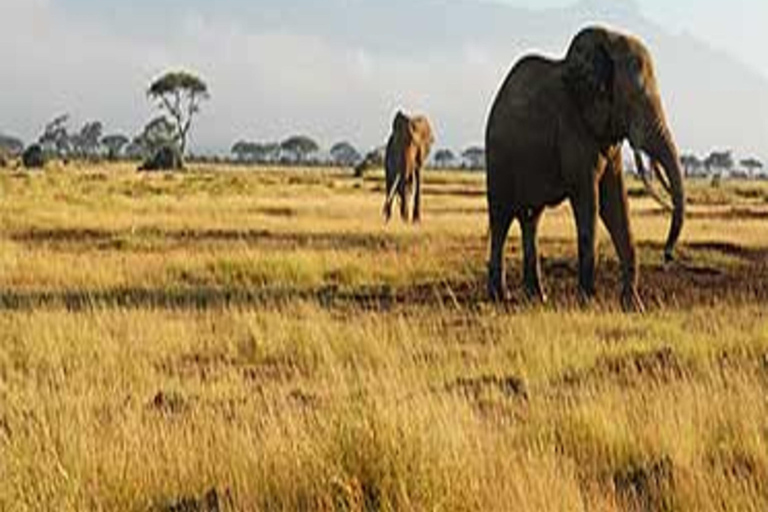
(590, 75)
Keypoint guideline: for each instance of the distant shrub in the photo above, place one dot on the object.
(167, 158)
(33, 157)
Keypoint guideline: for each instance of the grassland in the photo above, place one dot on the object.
(244, 339)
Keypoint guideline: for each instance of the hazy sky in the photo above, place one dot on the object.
(738, 26)
(339, 68)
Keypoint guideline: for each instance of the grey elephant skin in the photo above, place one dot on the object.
(407, 150)
(555, 132)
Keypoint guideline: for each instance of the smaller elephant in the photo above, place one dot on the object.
(167, 158)
(407, 151)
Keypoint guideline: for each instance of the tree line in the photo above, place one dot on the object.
(720, 163)
(178, 96)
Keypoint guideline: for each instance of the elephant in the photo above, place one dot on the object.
(407, 150)
(555, 132)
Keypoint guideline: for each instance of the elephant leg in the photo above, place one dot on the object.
(404, 192)
(417, 197)
(529, 223)
(614, 212)
(584, 204)
(500, 221)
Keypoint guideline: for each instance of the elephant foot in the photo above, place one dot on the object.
(535, 294)
(586, 297)
(631, 302)
(497, 289)
(499, 295)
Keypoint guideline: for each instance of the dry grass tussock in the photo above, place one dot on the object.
(228, 339)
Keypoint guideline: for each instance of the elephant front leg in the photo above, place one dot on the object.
(584, 205)
(531, 267)
(405, 195)
(614, 212)
(417, 197)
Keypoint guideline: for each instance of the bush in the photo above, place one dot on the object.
(33, 157)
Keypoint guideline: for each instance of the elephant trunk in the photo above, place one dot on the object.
(660, 146)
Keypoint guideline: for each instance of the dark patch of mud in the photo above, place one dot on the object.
(647, 487)
(214, 367)
(110, 239)
(212, 501)
(689, 282)
(660, 366)
(509, 386)
(732, 213)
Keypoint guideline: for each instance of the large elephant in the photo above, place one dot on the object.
(555, 132)
(407, 151)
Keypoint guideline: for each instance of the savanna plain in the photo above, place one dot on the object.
(232, 338)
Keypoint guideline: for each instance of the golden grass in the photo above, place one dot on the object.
(147, 393)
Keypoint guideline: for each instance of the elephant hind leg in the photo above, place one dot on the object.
(529, 223)
(500, 221)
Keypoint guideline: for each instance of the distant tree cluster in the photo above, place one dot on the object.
(719, 164)
(472, 158)
(296, 149)
(86, 143)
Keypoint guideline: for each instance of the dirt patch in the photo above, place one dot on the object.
(169, 403)
(211, 501)
(473, 387)
(213, 367)
(731, 213)
(647, 487)
(660, 366)
(102, 238)
(277, 211)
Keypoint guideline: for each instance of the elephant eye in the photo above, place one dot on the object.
(635, 68)
(639, 80)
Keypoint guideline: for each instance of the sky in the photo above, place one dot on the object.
(338, 69)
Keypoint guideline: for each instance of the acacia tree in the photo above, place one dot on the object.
(114, 144)
(751, 165)
(179, 93)
(86, 142)
(55, 137)
(720, 161)
(344, 153)
(475, 156)
(444, 157)
(299, 146)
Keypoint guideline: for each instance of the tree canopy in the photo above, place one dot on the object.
(55, 137)
(10, 145)
(179, 93)
(443, 157)
(114, 144)
(751, 164)
(299, 146)
(86, 142)
(475, 156)
(344, 153)
(720, 160)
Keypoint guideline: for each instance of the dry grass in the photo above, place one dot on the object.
(249, 339)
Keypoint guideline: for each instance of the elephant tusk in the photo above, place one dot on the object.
(645, 177)
(656, 165)
(391, 193)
